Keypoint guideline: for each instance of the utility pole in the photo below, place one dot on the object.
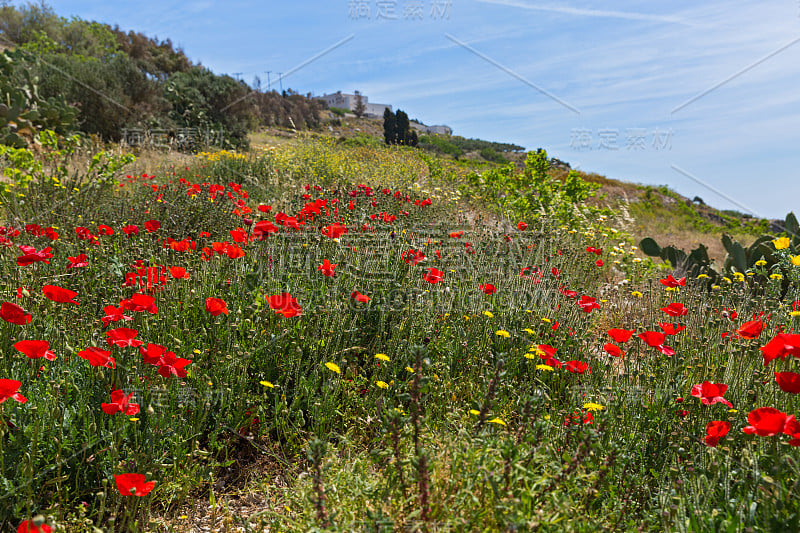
(280, 79)
(238, 75)
(269, 86)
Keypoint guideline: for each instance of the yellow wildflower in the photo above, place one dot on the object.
(781, 243)
(333, 367)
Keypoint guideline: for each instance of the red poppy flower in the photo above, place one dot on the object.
(178, 272)
(285, 305)
(234, 252)
(792, 428)
(152, 353)
(9, 388)
(216, 307)
(152, 225)
(102, 229)
(593, 250)
(780, 346)
(172, 365)
(263, 228)
(14, 314)
(114, 314)
(715, 430)
(130, 230)
(433, 275)
(620, 335)
(238, 235)
(711, 393)
(334, 231)
(671, 282)
(35, 349)
(765, 422)
(547, 351)
(264, 208)
(327, 268)
(522, 226)
(31, 255)
(613, 349)
(669, 328)
(413, 257)
(34, 229)
(59, 294)
(363, 298)
(788, 382)
(456, 234)
(587, 303)
(78, 261)
(655, 339)
(666, 350)
(122, 337)
(730, 315)
(599, 262)
(140, 303)
(98, 357)
(675, 309)
(28, 526)
(578, 367)
(133, 485)
(556, 272)
(751, 329)
(572, 295)
(551, 361)
(120, 403)
(488, 288)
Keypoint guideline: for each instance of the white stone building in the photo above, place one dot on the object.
(436, 130)
(348, 101)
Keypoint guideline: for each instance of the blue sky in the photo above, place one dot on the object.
(610, 87)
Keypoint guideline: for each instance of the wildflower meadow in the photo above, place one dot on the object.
(363, 338)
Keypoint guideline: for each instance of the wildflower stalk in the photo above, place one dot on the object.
(417, 415)
(316, 453)
(490, 392)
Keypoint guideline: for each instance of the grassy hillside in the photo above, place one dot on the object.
(338, 335)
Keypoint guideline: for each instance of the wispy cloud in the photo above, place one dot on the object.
(603, 13)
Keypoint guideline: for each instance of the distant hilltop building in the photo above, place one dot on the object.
(348, 101)
(437, 130)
